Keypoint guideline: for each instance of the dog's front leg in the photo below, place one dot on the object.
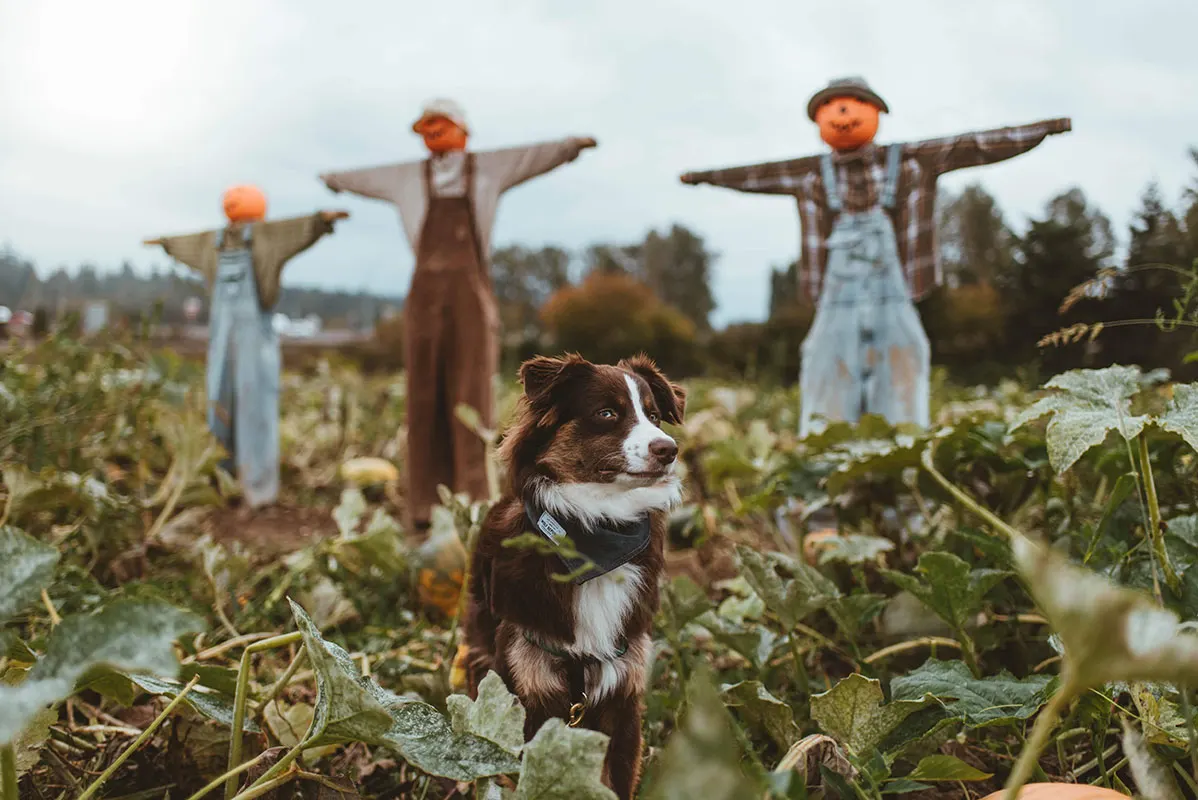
(620, 719)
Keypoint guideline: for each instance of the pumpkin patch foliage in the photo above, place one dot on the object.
(1007, 597)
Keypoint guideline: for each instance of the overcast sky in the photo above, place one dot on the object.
(124, 119)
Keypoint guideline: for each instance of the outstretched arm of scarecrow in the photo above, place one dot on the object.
(513, 166)
(775, 177)
(378, 183)
(278, 241)
(196, 250)
(983, 147)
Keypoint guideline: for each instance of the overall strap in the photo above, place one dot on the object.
(828, 169)
(220, 238)
(474, 232)
(894, 164)
(428, 178)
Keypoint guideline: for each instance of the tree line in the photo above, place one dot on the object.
(161, 295)
(1005, 294)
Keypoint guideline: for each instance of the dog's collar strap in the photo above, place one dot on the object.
(600, 549)
(621, 649)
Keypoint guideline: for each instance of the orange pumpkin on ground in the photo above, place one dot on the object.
(847, 123)
(244, 204)
(1061, 791)
(441, 573)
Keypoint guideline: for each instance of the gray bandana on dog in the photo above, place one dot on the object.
(604, 548)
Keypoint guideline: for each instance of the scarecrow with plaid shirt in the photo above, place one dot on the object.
(869, 249)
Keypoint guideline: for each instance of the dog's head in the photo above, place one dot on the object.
(594, 430)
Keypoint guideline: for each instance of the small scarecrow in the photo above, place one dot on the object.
(447, 204)
(242, 264)
(869, 249)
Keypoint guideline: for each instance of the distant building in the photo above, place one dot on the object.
(94, 317)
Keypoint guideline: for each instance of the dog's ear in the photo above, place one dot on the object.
(670, 397)
(544, 376)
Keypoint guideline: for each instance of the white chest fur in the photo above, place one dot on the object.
(601, 605)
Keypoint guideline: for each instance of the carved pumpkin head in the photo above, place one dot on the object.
(442, 123)
(442, 135)
(847, 123)
(245, 204)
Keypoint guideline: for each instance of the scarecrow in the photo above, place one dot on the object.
(241, 265)
(447, 204)
(869, 249)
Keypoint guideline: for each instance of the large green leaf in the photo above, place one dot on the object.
(214, 705)
(1086, 405)
(853, 612)
(755, 642)
(1181, 417)
(1162, 719)
(873, 458)
(853, 548)
(763, 711)
(948, 586)
(26, 567)
(946, 768)
(995, 699)
(852, 712)
(353, 708)
(790, 588)
(128, 635)
(1108, 632)
(685, 600)
(496, 715)
(29, 744)
(563, 763)
(702, 757)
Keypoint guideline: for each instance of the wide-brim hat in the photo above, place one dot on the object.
(853, 86)
(442, 107)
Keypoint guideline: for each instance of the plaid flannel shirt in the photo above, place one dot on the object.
(860, 175)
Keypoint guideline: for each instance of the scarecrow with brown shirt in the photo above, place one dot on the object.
(242, 264)
(447, 206)
(869, 249)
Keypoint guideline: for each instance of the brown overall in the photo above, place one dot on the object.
(451, 331)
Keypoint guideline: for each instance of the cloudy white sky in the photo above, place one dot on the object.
(127, 118)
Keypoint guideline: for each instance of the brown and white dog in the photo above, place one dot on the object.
(585, 457)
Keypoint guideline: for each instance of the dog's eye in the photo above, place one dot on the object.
(653, 417)
(606, 413)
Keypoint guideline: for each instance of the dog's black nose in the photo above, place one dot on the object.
(663, 450)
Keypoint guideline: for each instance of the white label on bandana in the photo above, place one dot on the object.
(551, 528)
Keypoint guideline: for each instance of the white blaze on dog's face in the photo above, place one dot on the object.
(603, 454)
(649, 452)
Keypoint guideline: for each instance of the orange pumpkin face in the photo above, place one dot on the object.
(847, 123)
(245, 204)
(441, 135)
(1062, 791)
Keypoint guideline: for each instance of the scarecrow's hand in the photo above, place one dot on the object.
(151, 242)
(586, 141)
(330, 216)
(689, 178)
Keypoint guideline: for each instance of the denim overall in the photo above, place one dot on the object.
(243, 375)
(867, 352)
